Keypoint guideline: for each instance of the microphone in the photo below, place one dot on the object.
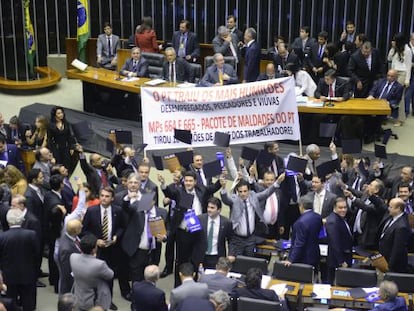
(119, 76)
(345, 83)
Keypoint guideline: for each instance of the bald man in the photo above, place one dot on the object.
(68, 244)
(145, 295)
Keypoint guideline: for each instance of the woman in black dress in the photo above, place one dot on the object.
(60, 139)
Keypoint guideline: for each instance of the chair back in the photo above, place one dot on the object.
(249, 304)
(197, 72)
(404, 281)
(352, 277)
(208, 61)
(244, 263)
(155, 62)
(296, 272)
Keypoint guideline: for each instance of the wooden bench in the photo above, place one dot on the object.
(48, 77)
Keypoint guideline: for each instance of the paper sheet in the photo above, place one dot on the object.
(322, 291)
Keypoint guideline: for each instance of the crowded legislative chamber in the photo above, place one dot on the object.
(206, 155)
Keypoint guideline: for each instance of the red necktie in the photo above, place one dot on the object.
(331, 93)
(104, 180)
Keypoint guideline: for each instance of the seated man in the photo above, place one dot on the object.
(284, 57)
(269, 74)
(219, 73)
(136, 66)
(176, 69)
(219, 280)
(333, 88)
(388, 292)
(107, 48)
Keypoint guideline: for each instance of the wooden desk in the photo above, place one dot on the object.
(342, 301)
(353, 106)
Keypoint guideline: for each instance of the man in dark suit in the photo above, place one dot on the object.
(219, 73)
(138, 243)
(348, 35)
(305, 235)
(367, 213)
(145, 295)
(19, 252)
(10, 155)
(269, 74)
(217, 229)
(232, 26)
(98, 173)
(283, 58)
(333, 88)
(146, 184)
(136, 66)
(393, 237)
(219, 301)
(226, 43)
(191, 197)
(55, 212)
(365, 66)
(107, 47)
(406, 176)
(323, 200)
(251, 56)
(185, 43)
(69, 243)
(303, 44)
(276, 166)
(106, 223)
(314, 63)
(176, 69)
(340, 239)
(67, 192)
(219, 280)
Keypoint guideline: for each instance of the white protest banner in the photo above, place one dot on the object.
(251, 112)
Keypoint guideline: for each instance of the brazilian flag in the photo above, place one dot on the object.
(83, 28)
(30, 39)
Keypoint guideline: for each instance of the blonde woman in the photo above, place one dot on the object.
(400, 58)
(39, 137)
(15, 180)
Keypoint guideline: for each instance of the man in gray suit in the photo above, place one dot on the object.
(219, 73)
(226, 43)
(219, 280)
(107, 48)
(136, 66)
(91, 276)
(244, 206)
(188, 288)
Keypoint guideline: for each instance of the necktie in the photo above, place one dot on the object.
(174, 74)
(210, 237)
(320, 51)
(387, 225)
(181, 48)
(149, 235)
(246, 216)
(385, 91)
(109, 47)
(331, 92)
(77, 244)
(408, 208)
(199, 178)
(313, 168)
(134, 66)
(356, 183)
(220, 76)
(318, 204)
(105, 225)
(40, 195)
(104, 180)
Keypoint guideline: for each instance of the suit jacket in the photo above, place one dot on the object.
(223, 47)
(218, 281)
(19, 251)
(141, 68)
(313, 59)
(175, 193)
(183, 71)
(53, 215)
(302, 51)
(252, 62)
(135, 227)
(393, 243)
(150, 186)
(92, 222)
(92, 176)
(373, 208)
(13, 157)
(188, 304)
(225, 233)
(340, 241)
(237, 205)
(342, 89)
(147, 297)
(259, 293)
(305, 239)
(359, 71)
(67, 247)
(35, 205)
(393, 96)
(211, 76)
(398, 304)
(328, 203)
(91, 276)
(189, 288)
(102, 47)
(192, 46)
(280, 64)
